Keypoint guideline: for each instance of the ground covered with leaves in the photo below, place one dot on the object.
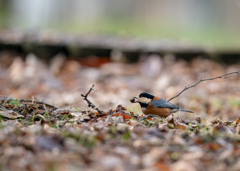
(58, 131)
(36, 137)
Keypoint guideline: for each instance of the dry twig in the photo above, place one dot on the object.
(90, 104)
(207, 79)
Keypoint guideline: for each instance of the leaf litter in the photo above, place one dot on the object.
(35, 135)
(42, 138)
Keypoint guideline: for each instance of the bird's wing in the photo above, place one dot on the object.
(160, 103)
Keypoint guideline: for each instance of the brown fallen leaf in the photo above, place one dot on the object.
(134, 123)
(180, 126)
(222, 129)
(9, 106)
(149, 118)
(213, 146)
(163, 127)
(170, 119)
(198, 140)
(10, 114)
(161, 166)
(120, 108)
(123, 115)
(198, 119)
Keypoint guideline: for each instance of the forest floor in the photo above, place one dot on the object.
(45, 124)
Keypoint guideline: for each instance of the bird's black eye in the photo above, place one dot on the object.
(147, 95)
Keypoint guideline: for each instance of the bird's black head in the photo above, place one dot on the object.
(146, 95)
(143, 99)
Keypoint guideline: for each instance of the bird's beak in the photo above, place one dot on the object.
(134, 100)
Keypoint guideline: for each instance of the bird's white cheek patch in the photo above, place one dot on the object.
(144, 100)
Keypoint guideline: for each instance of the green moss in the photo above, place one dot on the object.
(126, 136)
(83, 139)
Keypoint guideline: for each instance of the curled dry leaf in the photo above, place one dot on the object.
(170, 120)
(180, 126)
(222, 129)
(181, 120)
(119, 119)
(85, 118)
(39, 116)
(163, 127)
(214, 146)
(134, 123)
(198, 119)
(10, 114)
(148, 117)
(161, 166)
(125, 116)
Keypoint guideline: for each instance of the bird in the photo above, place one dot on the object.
(151, 104)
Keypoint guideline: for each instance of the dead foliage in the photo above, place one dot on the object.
(37, 135)
(34, 136)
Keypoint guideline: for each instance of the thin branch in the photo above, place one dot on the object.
(207, 79)
(90, 104)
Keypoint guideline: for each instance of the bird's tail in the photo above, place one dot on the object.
(185, 110)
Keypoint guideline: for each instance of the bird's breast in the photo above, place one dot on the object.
(163, 112)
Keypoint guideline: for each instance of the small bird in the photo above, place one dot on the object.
(154, 105)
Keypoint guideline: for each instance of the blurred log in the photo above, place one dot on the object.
(46, 45)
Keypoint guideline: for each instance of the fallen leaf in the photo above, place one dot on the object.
(134, 123)
(161, 166)
(222, 129)
(10, 114)
(198, 119)
(180, 126)
(213, 146)
(123, 115)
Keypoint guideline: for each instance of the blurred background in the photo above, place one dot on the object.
(55, 50)
(208, 22)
